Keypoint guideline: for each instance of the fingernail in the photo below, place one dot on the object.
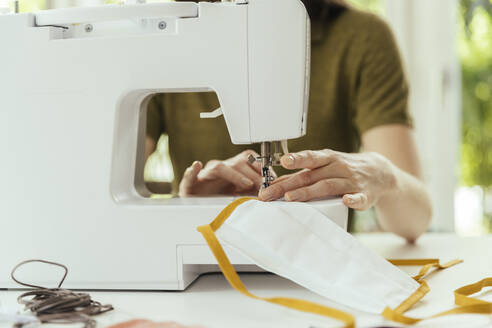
(289, 160)
(246, 182)
(350, 199)
(266, 194)
(292, 196)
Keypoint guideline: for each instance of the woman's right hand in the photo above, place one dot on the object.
(235, 175)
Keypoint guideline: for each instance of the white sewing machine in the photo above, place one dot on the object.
(73, 88)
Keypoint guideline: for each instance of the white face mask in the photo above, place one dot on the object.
(296, 241)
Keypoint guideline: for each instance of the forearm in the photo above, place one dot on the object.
(405, 209)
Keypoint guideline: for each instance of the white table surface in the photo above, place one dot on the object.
(211, 302)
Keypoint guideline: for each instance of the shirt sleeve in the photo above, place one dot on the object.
(155, 120)
(381, 95)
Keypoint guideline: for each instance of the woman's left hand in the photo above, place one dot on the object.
(361, 178)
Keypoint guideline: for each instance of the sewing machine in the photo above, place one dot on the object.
(74, 85)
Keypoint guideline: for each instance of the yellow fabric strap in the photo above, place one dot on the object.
(427, 264)
(466, 304)
(461, 294)
(208, 232)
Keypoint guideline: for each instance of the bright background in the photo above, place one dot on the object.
(447, 50)
(447, 47)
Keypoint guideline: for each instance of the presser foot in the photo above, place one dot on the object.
(268, 159)
(266, 172)
(268, 178)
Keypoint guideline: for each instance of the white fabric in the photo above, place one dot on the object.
(296, 241)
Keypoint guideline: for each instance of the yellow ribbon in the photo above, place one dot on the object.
(466, 304)
(427, 264)
(208, 232)
(461, 295)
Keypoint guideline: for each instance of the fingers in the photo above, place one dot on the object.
(321, 189)
(251, 170)
(358, 201)
(222, 176)
(221, 170)
(298, 180)
(287, 176)
(250, 173)
(308, 159)
(279, 188)
(189, 179)
(238, 171)
(255, 165)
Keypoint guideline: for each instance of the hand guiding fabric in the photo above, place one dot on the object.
(232, 176)
(361, 179)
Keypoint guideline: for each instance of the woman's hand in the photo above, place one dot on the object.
(232, 176)
(360, 178)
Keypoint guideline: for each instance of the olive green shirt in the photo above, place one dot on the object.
(357, 83)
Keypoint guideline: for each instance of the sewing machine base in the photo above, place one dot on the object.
(133, 254)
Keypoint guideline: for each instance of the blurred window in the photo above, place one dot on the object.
(474, 196)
